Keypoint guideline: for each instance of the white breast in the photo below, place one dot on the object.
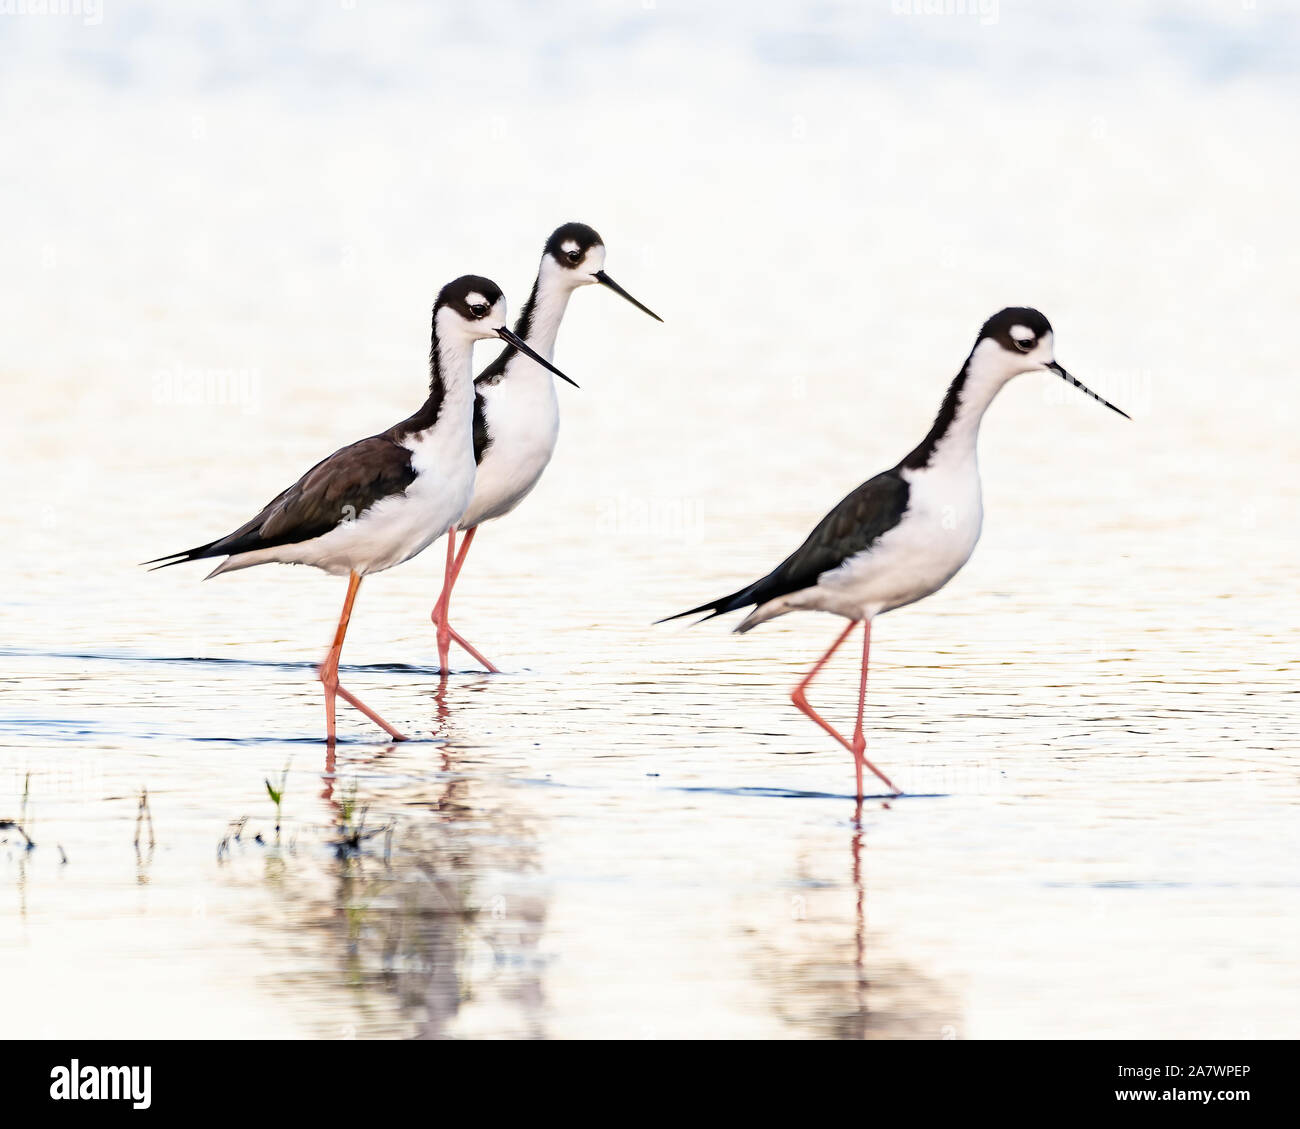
(917, 557)
(394, 529)
(522, 413)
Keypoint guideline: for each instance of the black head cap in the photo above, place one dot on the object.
(569, 242)
(1020, 318)
(472, 296)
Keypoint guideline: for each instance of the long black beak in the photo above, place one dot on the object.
(605, 280)
(1083, 388)
(518, 342)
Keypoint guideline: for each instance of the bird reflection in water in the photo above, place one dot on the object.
(860, 921)
(828, 981)
(436, 923)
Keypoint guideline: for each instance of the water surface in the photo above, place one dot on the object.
(631, 832)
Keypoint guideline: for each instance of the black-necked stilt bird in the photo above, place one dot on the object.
(902, 535)
(380, 501)
(516, 411)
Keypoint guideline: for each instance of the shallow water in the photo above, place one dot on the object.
(631, 832)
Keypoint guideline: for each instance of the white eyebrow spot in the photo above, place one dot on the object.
(1020, 333)
(475, 299)
(569, 245)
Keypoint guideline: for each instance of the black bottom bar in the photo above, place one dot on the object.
(273, 1082)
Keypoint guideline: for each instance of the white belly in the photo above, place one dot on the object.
(392, 530)
(523, 416)
(914, 559)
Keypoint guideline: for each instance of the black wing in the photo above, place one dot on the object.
(481, 437)
(850, 528)
(337, 489)
(492, 374)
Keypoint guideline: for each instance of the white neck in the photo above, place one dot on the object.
(449, 409)
(986, 375)
(456, 362)
(955, 438)
(548, 301)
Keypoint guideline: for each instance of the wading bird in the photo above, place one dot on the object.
(516, 411)
(902, 535)
(378, 502)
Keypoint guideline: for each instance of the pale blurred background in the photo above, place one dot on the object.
(224, 230)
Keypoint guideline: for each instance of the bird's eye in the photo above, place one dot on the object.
(1024, 344)
(574, 256)
(479, 310)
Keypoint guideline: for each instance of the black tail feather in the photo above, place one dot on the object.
(715, 608)
(167, 563)
(197, 553)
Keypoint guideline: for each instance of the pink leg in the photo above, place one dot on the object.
(329, 671)
(858, 745)
(464, 552)
(441, 610)
(439, 616)
(800, 699)
(859, 737)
